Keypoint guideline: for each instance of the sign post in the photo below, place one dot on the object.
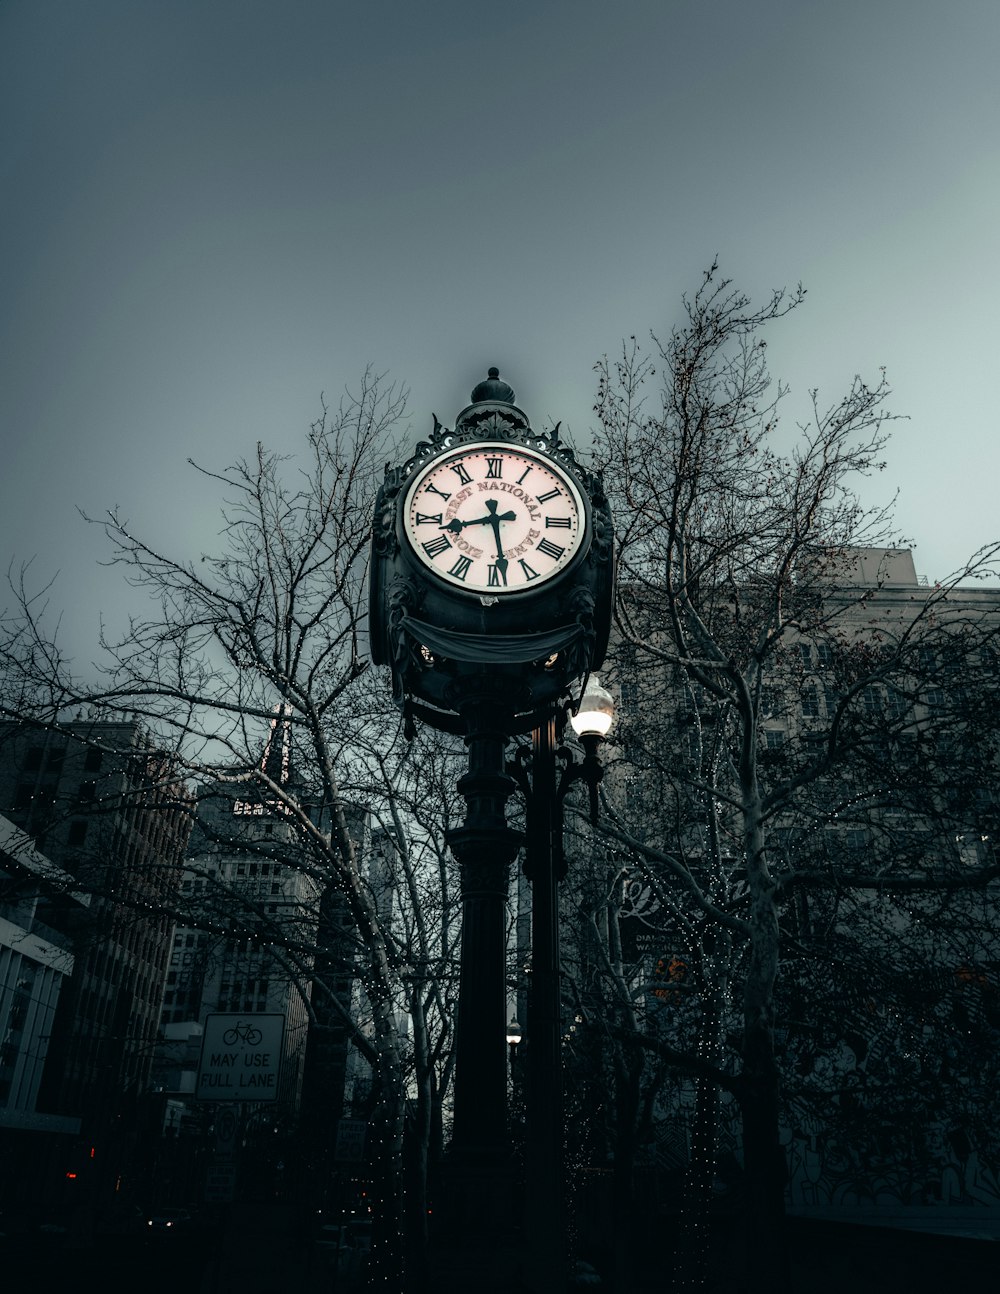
(350, 1148)
(240, 1057)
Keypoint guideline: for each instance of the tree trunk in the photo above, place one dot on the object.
(387, 1267)
(417, 1146)
(693, 1241)
(629, 1068)
(763, 1157)
(767, 1267)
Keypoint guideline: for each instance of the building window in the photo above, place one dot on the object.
(629, 691)
(770, 701)
(92, 762)
(897, 705)
(974, 850)
(77, 834)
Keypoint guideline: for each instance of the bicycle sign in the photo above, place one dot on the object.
(240, 1057)
(242, 1032)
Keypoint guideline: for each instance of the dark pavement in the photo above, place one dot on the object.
(833, 1252)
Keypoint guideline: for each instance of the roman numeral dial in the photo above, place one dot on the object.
(495, 519)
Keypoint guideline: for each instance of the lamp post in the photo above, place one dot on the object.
(514, 1037)
(485, 846)
(544, 788)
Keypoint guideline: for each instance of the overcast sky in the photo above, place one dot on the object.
(211, 211)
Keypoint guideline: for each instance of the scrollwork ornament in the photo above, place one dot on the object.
(601, 544)
(580, 653)
(402, 599)
(384, 539)
(495, 427)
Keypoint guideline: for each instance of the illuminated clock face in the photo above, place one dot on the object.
(494, 518)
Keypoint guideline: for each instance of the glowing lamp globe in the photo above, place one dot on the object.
(596, 711)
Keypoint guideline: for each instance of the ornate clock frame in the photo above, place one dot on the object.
(438, 639)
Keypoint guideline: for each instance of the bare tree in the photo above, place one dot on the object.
(772, 684)
(276, 617)
(420, 804)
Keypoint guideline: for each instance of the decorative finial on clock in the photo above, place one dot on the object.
(493, 390)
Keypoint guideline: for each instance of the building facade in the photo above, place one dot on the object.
(266, 924)
(247, 901)
(36, 962)
(110, 813)
(877, 747)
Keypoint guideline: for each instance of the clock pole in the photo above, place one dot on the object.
(544, 1214)
(491, 589)
(485, 846)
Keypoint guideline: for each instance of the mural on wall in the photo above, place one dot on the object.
(887, 1039)
(825, 1169)
(894, 1127)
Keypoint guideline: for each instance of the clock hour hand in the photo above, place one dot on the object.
(456, 527)
(492, 518)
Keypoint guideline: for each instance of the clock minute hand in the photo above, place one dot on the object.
(501, 561)
(494, 519)
(506, 516)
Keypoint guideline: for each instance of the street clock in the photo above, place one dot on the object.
(495, 518)
(491, 552)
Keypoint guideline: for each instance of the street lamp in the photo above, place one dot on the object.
(514, 1036)
(544, 866)
(591, 720)
(595, 711)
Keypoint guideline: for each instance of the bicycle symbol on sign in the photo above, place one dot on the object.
(242, 1032)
